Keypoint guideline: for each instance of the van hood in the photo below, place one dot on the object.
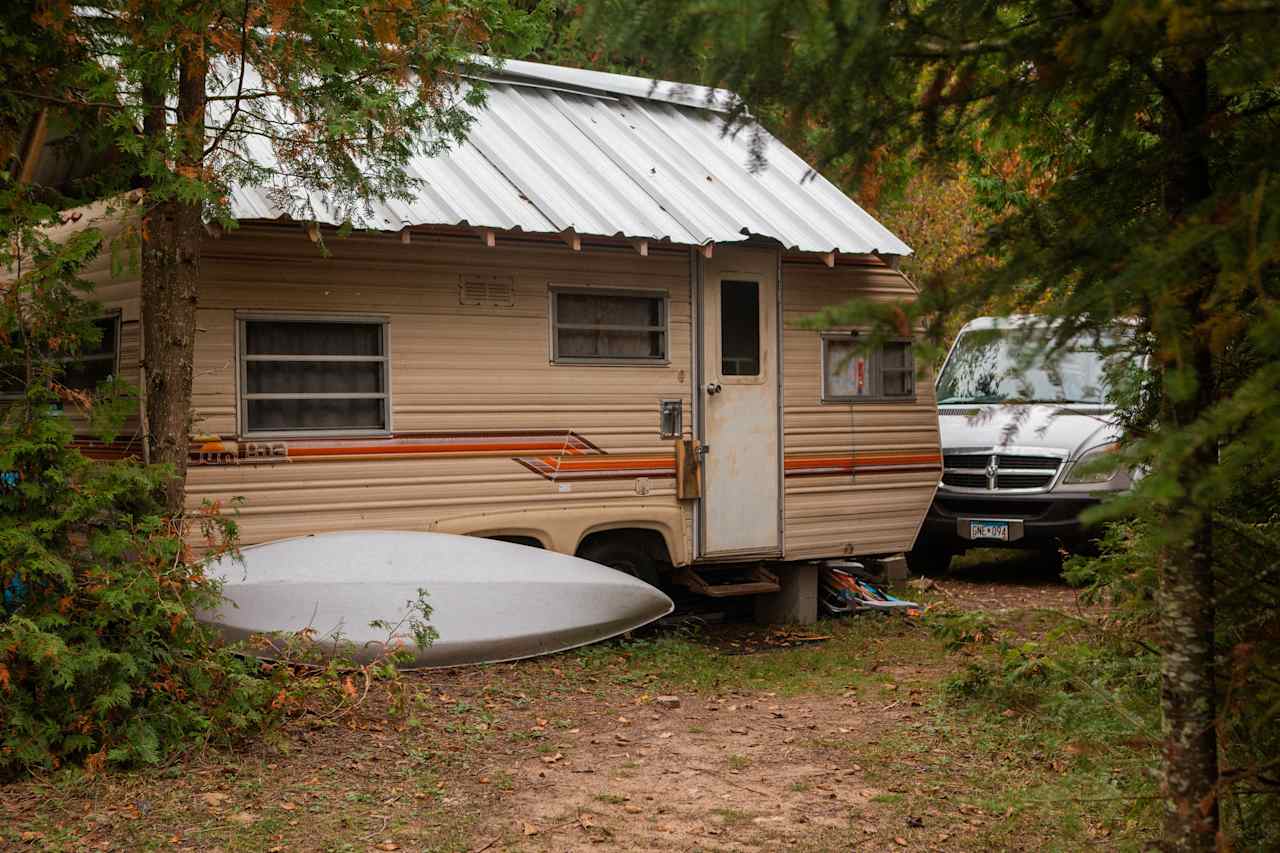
(1033, 426)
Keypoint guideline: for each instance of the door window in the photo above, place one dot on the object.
(739, 328)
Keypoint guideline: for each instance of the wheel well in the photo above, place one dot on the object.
(648, 541)
(531, 541)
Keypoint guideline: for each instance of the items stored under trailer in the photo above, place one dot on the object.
(846, 587)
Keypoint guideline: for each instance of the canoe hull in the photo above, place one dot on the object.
(491, 601)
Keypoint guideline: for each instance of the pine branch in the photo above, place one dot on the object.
(79, 104)
(235, 110)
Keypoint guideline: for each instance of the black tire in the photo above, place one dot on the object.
(925, 560)
(1049, 563)
(1087, 546)
(623, 556)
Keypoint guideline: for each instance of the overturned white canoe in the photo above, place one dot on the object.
(491, 601)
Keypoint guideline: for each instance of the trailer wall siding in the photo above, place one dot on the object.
(487, 435)
(539, 441)
(884, 458)
(117, 289)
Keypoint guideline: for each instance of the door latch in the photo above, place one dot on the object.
(712, 388)
(671, 419)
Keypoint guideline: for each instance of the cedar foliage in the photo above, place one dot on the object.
(1129, 151)
(320, 105)
(102, 662)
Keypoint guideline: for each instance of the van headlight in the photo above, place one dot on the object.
(1095, 466)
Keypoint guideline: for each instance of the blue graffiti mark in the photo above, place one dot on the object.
(14, 593)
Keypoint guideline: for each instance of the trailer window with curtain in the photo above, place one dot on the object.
(619, 327)
(314, 375)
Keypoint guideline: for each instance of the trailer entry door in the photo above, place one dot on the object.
(739, 388)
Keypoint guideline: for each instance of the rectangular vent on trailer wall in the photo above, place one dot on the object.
(491, 291)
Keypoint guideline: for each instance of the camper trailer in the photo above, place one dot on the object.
(584, 333)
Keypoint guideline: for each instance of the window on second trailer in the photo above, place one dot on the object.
(855, 373)
(626, 327)
(314, 376)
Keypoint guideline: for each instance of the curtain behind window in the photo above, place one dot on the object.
(590, 325)
(334, 363)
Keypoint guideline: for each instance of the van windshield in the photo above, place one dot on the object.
(991, 366)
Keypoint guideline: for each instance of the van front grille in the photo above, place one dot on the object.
(999, 472)
(1049, 463)
(1023, 481)
(965, 480)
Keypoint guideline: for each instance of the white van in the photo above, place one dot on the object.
(1018, 433)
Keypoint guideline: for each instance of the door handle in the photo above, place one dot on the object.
(712, 388)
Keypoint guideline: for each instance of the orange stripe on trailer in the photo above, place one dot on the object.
(612, 463)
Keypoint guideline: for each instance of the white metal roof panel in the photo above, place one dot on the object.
(557, 149)
(585, 80)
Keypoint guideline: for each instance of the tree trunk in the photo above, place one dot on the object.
(1188, 695)
(1188, 688)
(171, 235)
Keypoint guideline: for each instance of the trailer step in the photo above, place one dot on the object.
(760, 580)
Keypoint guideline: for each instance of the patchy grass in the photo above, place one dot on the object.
(235, 805)
(983, 773)
(856, 648)
(731, 817)
(890, 729)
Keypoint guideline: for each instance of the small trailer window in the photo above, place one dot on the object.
(608, 327)
(313, 375)
(853, 373)
(81, 372)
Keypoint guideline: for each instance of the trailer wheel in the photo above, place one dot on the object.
(625, 556)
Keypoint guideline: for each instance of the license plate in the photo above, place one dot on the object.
(989, 530)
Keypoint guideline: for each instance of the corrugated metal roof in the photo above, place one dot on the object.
(604, 83)
(558, 149)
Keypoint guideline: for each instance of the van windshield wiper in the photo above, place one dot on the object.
(1038, 401)
(952, 401)
(1017, 401)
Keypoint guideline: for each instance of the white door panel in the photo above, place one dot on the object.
(740, 403)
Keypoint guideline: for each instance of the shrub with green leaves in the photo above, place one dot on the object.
(101, 659)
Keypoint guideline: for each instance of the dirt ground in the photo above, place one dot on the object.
(733, 771)
(820, 738)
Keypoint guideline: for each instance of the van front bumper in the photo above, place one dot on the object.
(1034, 520)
